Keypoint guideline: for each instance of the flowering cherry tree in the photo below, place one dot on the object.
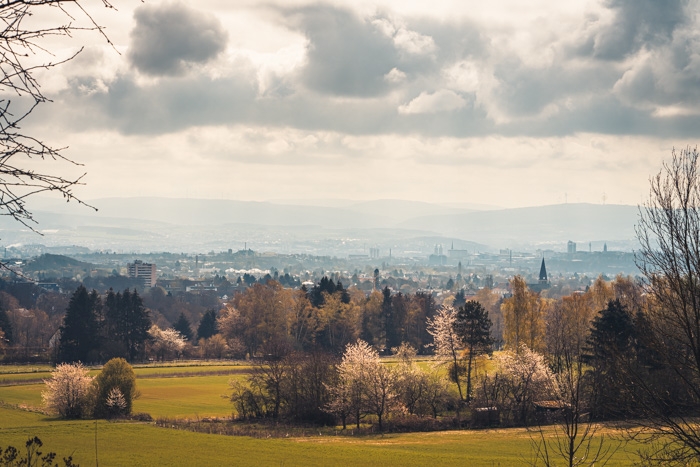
(68, 390)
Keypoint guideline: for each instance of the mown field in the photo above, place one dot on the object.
(199, 395)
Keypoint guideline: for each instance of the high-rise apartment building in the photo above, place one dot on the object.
(144, 272)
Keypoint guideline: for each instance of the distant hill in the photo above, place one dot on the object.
(178, 211)
(47, 262)
(533, 225)
(199, 225)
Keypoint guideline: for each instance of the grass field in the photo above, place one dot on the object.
(178, 397)
(13, 374)
(196, 392)
(145, 444)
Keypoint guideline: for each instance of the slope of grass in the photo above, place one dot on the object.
(194, 391)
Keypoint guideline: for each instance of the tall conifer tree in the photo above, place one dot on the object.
(80, 329)
(183, 326)
(126, 324)
(473, 328)
(207, 325)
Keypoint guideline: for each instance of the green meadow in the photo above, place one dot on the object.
(174, 392)
(199, 395)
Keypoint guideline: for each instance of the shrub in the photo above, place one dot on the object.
(116, 389)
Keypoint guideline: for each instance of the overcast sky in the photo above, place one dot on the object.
(506, 102)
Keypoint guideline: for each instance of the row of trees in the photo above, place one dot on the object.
(96, 330)
(621, 350)
(30, 316)
(118, 325)
(328, 317)
(579, 376)
(317, 387)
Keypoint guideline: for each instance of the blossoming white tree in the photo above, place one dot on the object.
(365, 386)
(116, 401)
(68, 390)
(525, 378)
(166, 343)
(446, 342)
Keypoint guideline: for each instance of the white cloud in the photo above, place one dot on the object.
(413, 42)
(395, 76)
(443, 100)
(462, 76)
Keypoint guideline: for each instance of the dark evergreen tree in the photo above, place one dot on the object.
(397, 321)
(316, 294)
(344, 295)
(388, 334)
(610, 353)
(182, 325)
(428, 310)
(207, 325)
(473, 329)
(612, 333)
(460, 299)
(126, 325)
(138, 322)
(80, 329)
(6, 326)
(112, 328)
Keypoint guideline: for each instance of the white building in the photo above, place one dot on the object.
(144, 272)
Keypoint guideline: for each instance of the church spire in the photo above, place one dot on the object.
(543, 273)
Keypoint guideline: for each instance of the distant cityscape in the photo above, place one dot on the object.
(446, 271)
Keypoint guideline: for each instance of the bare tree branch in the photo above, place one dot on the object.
(19, 46)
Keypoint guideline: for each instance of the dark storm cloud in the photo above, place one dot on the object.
(174, 104)
(343, 87)
(669, 76)
(636, 24)
(170, 37)
(169, 105)
(347, 56)
(526, 90)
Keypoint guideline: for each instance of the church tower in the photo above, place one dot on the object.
(543, 274)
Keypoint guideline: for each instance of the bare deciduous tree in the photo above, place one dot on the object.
(24, 52)
(669, 257)
(573, 439)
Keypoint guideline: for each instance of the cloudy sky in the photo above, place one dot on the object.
(505, 103)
